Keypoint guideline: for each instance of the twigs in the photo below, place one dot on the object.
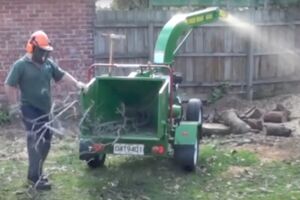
(120, 111)
(130, 120)
(39, 128)
(94, 120)
(43, 129)
(86, 113)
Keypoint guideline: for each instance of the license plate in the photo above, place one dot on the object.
(129, 149)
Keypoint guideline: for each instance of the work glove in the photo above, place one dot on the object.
(14, 111)
(82, 86)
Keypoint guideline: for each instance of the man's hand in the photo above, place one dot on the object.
(82, 86)
(71, 80)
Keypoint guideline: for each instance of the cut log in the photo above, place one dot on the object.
(276, 116)
(231, 119)
(280, 107)
(253, 113)
(213, 117)
(277, 130)
(255, 123)
(249, 111)
(209, 129)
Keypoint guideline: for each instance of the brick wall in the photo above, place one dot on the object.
(68, 23)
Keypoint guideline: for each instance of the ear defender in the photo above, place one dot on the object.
(31, 43)
(29, 46)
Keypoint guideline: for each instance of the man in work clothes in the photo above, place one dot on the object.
(32, 75)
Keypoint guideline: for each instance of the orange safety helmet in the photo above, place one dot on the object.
(39, 39)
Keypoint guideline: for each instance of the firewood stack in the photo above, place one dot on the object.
(253, 120)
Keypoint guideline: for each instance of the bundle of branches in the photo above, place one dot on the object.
(126, 121)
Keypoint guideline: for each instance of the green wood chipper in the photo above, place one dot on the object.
(138, 111)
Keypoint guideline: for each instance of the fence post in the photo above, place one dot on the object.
(250, 66)
(151, 41)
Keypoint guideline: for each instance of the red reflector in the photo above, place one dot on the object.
(159, 149)
(97, 147)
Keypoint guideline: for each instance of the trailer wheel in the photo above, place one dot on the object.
(194, 110)
(187, 156)
(97, 161)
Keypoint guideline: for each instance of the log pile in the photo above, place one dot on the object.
(253, 120)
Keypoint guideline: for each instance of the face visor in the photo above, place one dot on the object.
(40, 55)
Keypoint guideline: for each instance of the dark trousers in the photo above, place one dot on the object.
(38, 140)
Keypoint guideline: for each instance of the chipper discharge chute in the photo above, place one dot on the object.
(140, 113)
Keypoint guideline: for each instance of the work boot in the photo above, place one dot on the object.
(40, 185)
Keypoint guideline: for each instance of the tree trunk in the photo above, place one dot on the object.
(280, 107)
(236, 125)
(255, 123)
(277, 130)
(209, 129)
(253, 113)
(276, 116)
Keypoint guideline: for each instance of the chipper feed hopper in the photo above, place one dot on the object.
(140, 113)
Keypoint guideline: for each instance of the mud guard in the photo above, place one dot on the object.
(186, 145)
(186, 133)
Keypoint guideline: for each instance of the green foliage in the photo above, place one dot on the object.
(218, 92)
(130, 4)
(4, 117)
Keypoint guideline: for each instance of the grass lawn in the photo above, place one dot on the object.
(221, 174)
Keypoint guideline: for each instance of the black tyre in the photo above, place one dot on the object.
(194, 110)
(97, 161)
(187, 156)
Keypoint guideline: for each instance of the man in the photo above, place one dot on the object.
(32, 75)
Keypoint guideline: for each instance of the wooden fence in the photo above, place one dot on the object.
(214, 53)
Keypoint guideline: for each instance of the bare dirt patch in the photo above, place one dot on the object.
(282, 149)
(267, 153)
(236, 171)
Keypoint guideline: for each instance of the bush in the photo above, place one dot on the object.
(217, 93)
(4, 117)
